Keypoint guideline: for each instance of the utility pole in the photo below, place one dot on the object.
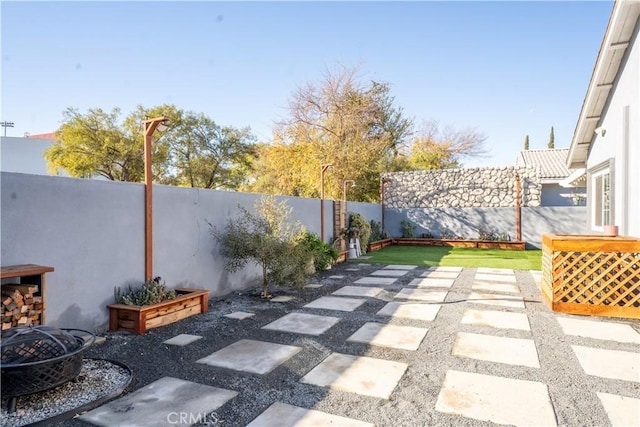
(6, 125)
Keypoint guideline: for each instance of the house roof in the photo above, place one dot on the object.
(617, 38)
(51, 135)
(551, 164)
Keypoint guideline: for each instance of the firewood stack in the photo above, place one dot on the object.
(20, 306)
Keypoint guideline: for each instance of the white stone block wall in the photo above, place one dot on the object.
(462, 188)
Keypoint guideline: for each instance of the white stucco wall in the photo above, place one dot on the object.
(626, 93)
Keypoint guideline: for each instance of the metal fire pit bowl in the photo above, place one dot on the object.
(37, 358)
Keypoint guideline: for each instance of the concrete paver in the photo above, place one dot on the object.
(599, 330)
(484, 285)
(376, 281)
(336, 303)
(357, 374)
(400, 267)
(622, 411)
(441, 274)
(303, 323)
(256, 357)
(282, 298)
(410, 310)
(445, 268)
(430, 282)
(358, 291)
(496, 319)
(381, 335)
(498, 278)
(421, 295)
(496, 399)
(182, 339)
(148, 406)
(283, 415)
(496, 299)
(240, 315)
(513, 351)
(389, 273)
(489, 270)
(616, 364)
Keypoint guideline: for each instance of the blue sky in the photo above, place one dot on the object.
(507, 69)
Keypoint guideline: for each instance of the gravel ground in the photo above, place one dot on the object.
(413, 400)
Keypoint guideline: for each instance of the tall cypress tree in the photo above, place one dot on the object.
(552, 138)
(526, 142)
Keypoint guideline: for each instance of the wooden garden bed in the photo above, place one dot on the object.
(378, 244)
(592, 275)
(138, 319)
(458, 243)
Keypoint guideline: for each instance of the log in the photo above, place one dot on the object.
(23, 288)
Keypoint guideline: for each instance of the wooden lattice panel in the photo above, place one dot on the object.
(603, 282)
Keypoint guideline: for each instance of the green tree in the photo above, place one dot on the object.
(552, 139)
(352, 125)
(96, 143)
(526, 142)
(268, 239)
(194, 152)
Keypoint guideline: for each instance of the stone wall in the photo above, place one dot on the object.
(462, 188)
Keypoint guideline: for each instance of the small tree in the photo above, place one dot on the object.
(268, 239)
(526, 142)
(552, 138)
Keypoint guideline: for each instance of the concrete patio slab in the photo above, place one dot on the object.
(488, 270)
(497, 278)
(440, 274)
(496, 399)
(336, 277)
(421, 295)
(599, 330)
(376, 281)
(400, 267)
(313, 286)
(615, 364)
(445, 268)
(240, 315)
(392, 336)
(352, 269)
(282, 298)
(358, 291)
(410, 310)
(496, 319)
(159, 404)
(336, 303)
(357, 374)
(512, 351)
(256, 357)
(622, 411)
(389, 273)
(283, 415)
(182, 339)
(485, 285)
(303, 323)
(429, 282)
(496, 299)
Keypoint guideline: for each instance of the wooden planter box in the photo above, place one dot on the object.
(378, 244)
(138, 319)
(342, 257)
(457, 243)
(592, 275)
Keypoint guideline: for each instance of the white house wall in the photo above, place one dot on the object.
(626, 179)
(24, 155)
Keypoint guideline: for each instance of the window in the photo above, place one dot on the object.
(601, 193)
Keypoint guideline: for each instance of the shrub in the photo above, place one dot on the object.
(359, 227)
(269, 240)
(323, 254)
(408, 229)
(151, 292)
(377, 233)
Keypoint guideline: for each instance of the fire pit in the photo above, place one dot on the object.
(37, 358)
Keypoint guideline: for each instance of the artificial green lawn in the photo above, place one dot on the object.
(459, 257)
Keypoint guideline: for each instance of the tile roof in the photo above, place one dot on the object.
(551, 163)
